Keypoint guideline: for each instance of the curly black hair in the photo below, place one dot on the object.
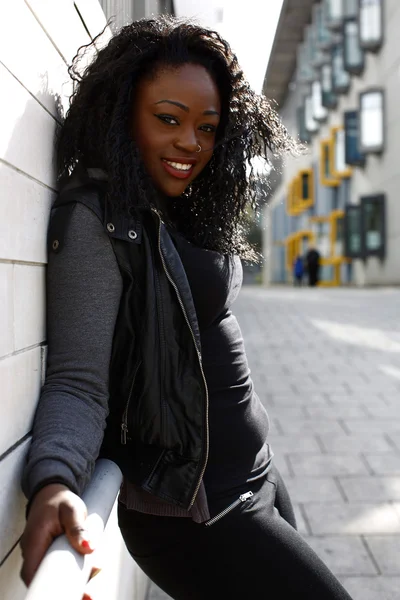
(95, 132)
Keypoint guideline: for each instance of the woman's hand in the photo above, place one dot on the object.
(55, 510)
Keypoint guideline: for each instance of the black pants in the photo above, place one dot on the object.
(254, 551)
(313, 275)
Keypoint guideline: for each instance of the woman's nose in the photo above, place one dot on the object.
(187, 141)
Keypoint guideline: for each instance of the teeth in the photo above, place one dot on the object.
(179, 166)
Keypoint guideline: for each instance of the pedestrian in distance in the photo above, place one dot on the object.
(146, 362)
(298, 271)
(313, 259)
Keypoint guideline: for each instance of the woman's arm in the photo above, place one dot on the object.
(84, 286)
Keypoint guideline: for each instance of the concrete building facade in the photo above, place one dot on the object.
(125, 11)
(334, 73)
(38, 40)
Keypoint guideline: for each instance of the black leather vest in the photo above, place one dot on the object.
(157, 428)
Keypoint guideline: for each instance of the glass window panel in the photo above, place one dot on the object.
(323, 34)
(354, 54)
(311, 123)
(340, 163)
(335, 9)
(340, 77)
(319, 111)
(373, 224)
(327, 162)
(305, 186)
(351, 8)
(301, 124)
(354, 238)
(371, 121)
(352, 154)
(371, 22)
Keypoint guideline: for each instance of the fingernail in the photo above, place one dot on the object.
(87, 544)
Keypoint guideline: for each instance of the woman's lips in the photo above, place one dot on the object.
(179, 174)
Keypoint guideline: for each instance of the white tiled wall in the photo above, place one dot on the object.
(38, 39)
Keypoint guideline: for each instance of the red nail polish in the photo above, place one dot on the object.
(86, 544)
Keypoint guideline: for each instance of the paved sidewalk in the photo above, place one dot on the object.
(326, 364)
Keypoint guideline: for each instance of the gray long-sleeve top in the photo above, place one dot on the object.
(83, 291)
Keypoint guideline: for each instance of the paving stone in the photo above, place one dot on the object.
(332, 412)
(384, 464)
(386, 551)
(294, 443)
(315, 465)
(309, 489)
(344, 555)
(354, 518)
(373, 425)
(355, 443)
(347, 398)
(288, 412)
(394, 437)
(372, 588)
(289, 426)
(374, 489)
(302, 526)
(295, 399)
(281, 464)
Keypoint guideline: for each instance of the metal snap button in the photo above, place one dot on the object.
(132, 234)
(110, 227)
(55, 244)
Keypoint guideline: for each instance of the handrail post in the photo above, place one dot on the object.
(63, 572)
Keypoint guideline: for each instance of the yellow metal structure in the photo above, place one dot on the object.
(294, 243)
(325, 164)
(332, 261)
(300, 194)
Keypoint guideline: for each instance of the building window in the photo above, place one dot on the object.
(304, 135)
(329, 99)
(351, 8)
(371, 110)
(373, 225)
(320, 112)
(339, 169)
(323, 35)
(353, 232)
(326, 176)
(305, 72)
(311, 124)
(306, 179)
(351, 127)
(365, 228)
(353, 54)
(371, 24)
(340, 77)
(335, 13)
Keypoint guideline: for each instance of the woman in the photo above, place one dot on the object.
(144, 246)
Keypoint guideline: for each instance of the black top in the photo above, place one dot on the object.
(238, 422)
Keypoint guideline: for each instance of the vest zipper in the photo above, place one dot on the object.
(170, 279)
(242, 498)
(124, 421)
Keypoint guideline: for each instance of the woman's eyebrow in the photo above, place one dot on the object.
(186, 108)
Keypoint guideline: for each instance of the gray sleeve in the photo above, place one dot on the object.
(84, 287)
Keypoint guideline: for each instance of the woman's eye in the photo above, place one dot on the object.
(169, 119)
(208, 128)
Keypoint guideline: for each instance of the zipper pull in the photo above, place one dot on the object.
(124, 433)
(245, 496)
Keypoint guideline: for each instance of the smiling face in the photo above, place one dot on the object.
(174, 114)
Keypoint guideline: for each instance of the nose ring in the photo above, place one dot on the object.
(199, 148)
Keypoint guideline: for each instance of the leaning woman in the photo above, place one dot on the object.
(146, 361)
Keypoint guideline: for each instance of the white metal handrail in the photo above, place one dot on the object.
(63, 572)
